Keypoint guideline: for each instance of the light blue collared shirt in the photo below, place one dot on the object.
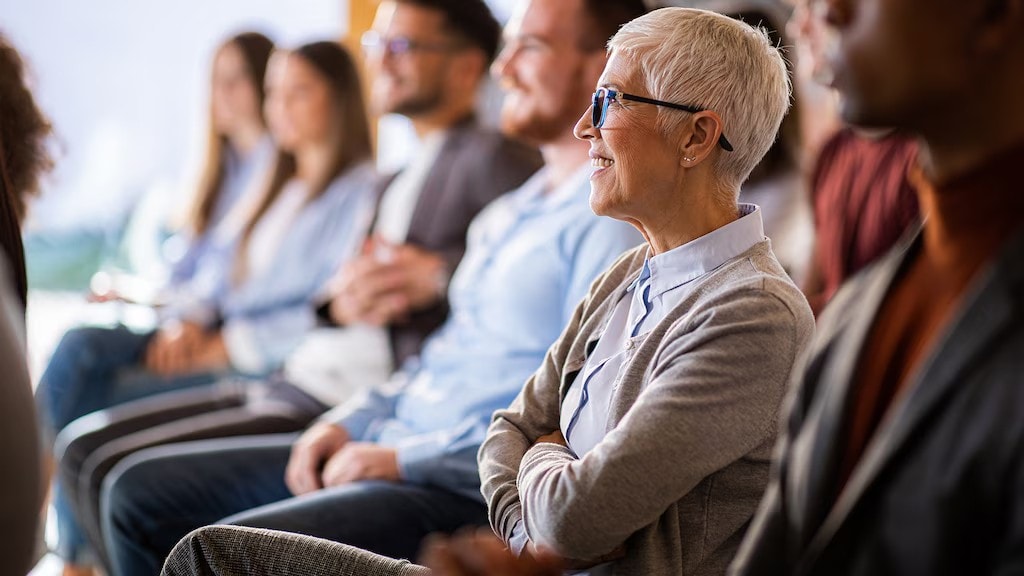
(530, 259)
(663, 283)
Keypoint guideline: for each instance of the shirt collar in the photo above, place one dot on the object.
(698, 257)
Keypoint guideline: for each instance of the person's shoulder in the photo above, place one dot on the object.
(359, 176)
(756, 275)
(354, 186)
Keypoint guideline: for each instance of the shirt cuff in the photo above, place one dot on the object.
(243, 351)
(518, 540)
(414, 452)
(354, 421)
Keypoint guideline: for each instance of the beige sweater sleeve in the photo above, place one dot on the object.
(713, 392)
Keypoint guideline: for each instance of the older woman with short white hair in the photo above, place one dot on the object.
(642, 444)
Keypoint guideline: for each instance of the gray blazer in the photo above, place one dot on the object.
(940, 489)
(475, 166)
(685, 461)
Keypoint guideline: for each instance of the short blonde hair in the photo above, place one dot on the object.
(713, 62)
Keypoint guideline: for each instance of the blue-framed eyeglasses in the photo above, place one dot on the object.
(604, 96)
(375, 45)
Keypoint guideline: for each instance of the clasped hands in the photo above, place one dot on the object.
(325, 456)
(386, 283)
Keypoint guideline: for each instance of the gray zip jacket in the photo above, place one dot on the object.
(685, 460)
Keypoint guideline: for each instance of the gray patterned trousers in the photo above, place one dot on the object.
(239, 551)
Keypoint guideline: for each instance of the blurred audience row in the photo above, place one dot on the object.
(591, 333)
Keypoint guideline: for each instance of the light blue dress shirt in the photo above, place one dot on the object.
(663, 283)
(531, 257)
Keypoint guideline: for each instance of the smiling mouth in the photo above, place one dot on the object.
(602, 162)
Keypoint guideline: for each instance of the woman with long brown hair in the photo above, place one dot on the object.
(280, 249)
(237, 153)
(238, 148)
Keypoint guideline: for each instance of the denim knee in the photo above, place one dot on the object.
(83, 364)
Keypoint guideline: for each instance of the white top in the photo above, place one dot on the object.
(399, 200)
(273, 226)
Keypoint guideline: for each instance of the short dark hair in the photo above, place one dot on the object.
(605, 17)
(471, 20)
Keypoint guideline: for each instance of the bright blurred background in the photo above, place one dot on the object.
(125, 84)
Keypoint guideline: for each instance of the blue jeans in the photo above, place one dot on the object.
(93, 369)
(155, 497)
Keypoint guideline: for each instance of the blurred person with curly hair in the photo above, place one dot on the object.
(23, 157)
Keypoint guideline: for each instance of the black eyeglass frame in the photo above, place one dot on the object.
(600, 103)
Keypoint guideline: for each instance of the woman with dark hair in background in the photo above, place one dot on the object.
(273, 255)
(238, 147)
(238, 151)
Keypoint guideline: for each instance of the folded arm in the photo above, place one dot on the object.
(713, 394)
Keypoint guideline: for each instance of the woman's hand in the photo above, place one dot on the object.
(210, 354)
(172, 347)
(185, 347)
